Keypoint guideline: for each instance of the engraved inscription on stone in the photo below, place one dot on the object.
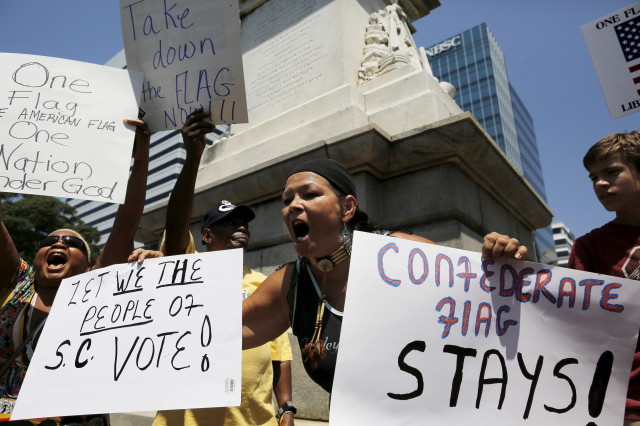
(289, 48)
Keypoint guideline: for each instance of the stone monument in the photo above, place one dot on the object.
(343, 79)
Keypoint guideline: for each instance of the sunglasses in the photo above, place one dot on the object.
(67, 240)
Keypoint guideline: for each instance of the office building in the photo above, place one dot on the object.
(563, 239)
(474, 64)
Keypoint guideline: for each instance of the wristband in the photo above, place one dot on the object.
(287, 407)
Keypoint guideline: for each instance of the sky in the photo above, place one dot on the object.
(547, 62)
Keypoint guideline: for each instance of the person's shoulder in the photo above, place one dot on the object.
(251, 276)
(608, 230)
(24, 273)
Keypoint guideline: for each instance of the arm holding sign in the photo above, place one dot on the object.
(120, 242)
(265, 314)
(180, 206)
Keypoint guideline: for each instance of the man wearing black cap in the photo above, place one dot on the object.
(225, 226)
(265, 369)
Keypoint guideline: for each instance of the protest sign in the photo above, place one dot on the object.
(164, 335)
(190, 53)
(434, 335)
(614, 46)
(62, 130)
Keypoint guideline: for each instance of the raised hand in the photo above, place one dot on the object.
(498, 246)
(194, 132)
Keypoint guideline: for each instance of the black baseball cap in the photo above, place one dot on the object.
(225, 209)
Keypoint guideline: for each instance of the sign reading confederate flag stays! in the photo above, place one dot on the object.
(614, 45)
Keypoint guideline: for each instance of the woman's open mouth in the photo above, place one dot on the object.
(56, 259)
(300, 229)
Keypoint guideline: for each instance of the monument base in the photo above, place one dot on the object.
(447, 181)
(342, 79)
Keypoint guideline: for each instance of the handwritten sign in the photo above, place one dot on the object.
(61, 127)
(615, 52)
(190, 53)
(166, 335)
(437, 335)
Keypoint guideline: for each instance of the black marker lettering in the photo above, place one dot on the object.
(461, 353)
(417, 345)
(178, 350)
(78, 363)
(598, 389)
(482, 381)
(558, 374)
(153, 352)
(116, 372)
(60, 355)
(76, 285)
(534, 381)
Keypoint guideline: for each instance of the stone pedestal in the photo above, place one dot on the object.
(418, 161)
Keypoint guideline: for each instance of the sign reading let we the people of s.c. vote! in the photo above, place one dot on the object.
(434, 335)
(61, 129)
(190, 53)
(164, 335)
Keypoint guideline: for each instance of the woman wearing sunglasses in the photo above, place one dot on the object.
(62, 254)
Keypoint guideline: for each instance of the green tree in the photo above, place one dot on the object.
(30, 218)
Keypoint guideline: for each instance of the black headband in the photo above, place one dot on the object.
(335, 173)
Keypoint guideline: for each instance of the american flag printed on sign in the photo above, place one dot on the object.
(635, 74)
(629, 37)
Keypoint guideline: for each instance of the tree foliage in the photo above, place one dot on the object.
(29, 218)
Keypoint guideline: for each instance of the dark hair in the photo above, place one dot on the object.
(627, 145)
(342, 185)
(335, 173)
(360, 219)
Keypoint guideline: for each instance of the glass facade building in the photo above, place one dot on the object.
(563, 239)
(474, 64)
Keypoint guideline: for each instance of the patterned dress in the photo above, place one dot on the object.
(15, 316)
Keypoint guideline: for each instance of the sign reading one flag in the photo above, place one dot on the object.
(614, 45)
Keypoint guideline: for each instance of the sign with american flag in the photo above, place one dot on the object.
(614, 45)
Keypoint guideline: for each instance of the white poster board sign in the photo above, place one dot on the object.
(61, 127)
(190, 53)
(435, 336)
(615, 52)
(166, 335)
